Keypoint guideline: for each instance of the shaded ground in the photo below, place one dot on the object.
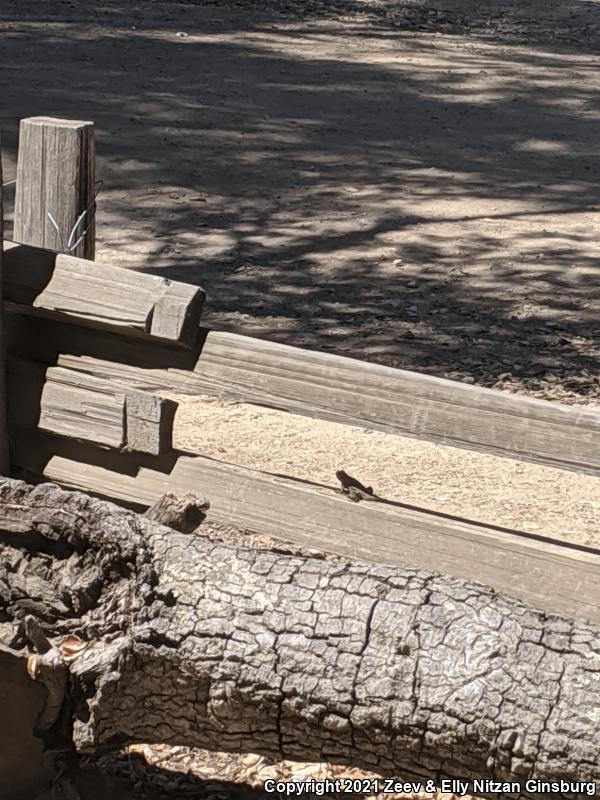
(390, 180)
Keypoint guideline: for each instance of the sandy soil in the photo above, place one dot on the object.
(408, 182)
(398, 181)
(480, 487)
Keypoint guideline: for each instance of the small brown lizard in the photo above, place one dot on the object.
(354, 489)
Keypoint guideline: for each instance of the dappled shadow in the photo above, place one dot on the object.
(559, 24)
(129, 777)
(426, 202)
(181, 772)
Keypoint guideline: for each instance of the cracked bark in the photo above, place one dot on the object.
(192, 642)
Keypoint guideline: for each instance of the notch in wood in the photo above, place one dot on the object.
(149, 423)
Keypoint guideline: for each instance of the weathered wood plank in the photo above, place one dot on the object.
(175, 316)
(4, 454)
(334, 388)
(98, 295)
(398, 401)
(149, 423)
(548, 575)
(43, 339)
(56, 175)
(83, 407)
(357, 393)
(67, 403)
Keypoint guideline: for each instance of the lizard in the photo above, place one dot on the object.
(354, 489)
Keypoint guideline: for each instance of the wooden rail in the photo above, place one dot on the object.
(552, 576)
(100, 296)
(333, 388)
(402, 402)
(55, 193)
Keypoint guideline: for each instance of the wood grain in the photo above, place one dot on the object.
(83, 407)
(358, 393)
(98, 295)
(4, 454)
(56, 175)
(398, 401)
(552, 576)
(148, 423)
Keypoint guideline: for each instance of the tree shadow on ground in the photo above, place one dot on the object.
(182, 773)
(392, 205)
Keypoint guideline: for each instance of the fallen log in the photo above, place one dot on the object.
(193, 642)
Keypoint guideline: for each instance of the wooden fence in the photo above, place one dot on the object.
(93, 348)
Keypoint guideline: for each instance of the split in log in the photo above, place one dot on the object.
(192, 642)
(557, 577)
(83, 407)
(97, 295)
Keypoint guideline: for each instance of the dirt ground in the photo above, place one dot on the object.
(409, 182)
(413, 183)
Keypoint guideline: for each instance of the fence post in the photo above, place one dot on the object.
(4, 454)
(55, 192)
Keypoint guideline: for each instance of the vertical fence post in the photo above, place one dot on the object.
(4, 454)
(55, 192)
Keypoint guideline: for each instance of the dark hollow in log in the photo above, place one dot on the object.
(193, 642)
(183, 514)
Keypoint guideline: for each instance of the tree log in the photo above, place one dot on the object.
(193, 642)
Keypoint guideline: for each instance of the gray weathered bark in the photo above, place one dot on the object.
(193, 642)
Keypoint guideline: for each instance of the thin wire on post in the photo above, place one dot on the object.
(88, 213)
